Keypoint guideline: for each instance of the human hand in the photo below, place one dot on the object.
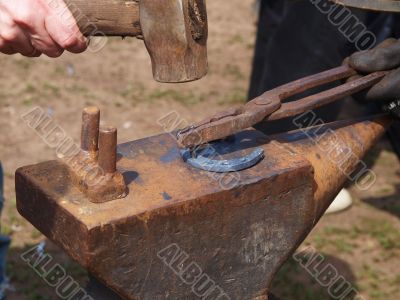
(385, 57)
(33, 27)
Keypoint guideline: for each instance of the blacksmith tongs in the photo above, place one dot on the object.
(270, 105)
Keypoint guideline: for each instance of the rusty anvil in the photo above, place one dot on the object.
(175, 32)
(239, 233)
(237, 230)
(150, 226)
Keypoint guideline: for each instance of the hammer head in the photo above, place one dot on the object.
(175, 33)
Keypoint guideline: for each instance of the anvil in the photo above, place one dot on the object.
(177, 232)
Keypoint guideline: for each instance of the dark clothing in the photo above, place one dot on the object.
(295, 39)
(4, 244)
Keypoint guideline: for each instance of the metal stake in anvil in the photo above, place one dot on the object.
(94, 169)
(108, 149)
(90, 130)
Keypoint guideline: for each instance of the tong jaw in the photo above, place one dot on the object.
(226, 123)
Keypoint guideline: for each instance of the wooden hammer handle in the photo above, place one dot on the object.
(106, 17)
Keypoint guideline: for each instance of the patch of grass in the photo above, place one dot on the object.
(3, 95)
(375, 283)
(59, 70)
(52, 89)
(133, 92)
(233, 71)
(35, 234)
(137, 92)
(31, 94)
(236, 39)
(320, 242)
(337, 237)
(24, 63)
(30, 100)
(186, 98)
(342, 245)
(5, 230)
(386, 190)
(30, 89)
(77, 89)
(335, 231)
(376, 293)
(369, 273)
(236, 96)
(383, 231)
(396, 280)
(13, 217)
(250, 46)
(386, 158)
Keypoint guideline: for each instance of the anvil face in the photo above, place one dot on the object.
(180, 233)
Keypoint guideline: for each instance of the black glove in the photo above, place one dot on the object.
(384, 57)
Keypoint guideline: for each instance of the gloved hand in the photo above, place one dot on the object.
(33, 27)
(385, 56)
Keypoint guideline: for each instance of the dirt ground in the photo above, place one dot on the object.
(363, 243)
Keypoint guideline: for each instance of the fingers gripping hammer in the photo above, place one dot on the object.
(175, 32)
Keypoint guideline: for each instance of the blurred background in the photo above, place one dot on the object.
(363, 243)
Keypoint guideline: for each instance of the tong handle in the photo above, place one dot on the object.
(291, 109)
(303, 84)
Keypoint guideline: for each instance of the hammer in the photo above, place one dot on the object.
(175, 32)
